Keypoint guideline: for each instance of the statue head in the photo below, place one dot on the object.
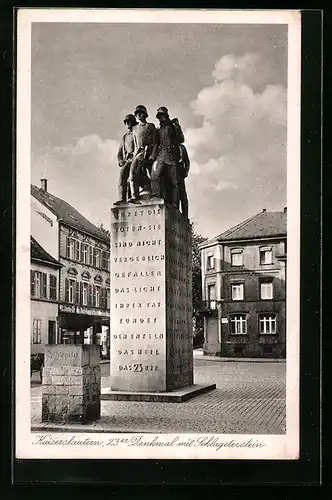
(162, 114)
(141, 112)
(130, 121)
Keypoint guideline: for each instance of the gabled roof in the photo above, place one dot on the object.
(38, 254)
(262, 225)
(67, 213)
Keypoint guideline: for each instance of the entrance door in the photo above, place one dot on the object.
(51, 332)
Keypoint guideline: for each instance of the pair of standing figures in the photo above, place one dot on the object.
(154, 160)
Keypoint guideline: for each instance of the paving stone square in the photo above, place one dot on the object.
(249, 399)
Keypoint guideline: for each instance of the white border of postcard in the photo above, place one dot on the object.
(271, 446)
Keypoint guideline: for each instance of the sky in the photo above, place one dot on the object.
(227, 85)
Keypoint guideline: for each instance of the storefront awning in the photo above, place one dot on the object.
(75, 322)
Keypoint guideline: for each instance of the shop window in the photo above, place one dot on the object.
(238, 324)
(265, 256)
(266, 290)
(267, 324)
(38, 284)
(53, 287)
(237, 257)
(36, 331)
(237, 291)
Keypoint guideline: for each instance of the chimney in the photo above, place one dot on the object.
(43, 184)
(264, 210)
(285, 210)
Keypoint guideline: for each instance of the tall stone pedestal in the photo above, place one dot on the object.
(151, 303)
(71, 383)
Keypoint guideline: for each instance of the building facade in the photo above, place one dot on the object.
(44, 281)
(244, 288)
(83, 250)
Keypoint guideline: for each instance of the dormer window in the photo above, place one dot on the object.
(237, 257)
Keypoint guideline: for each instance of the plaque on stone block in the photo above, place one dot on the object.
(151, 298)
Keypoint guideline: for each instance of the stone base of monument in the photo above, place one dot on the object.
(175, 396)
(71, 384)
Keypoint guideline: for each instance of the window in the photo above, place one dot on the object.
(237, 257)
(105, 259)
(265, 256)
(267, 324)
(70, 253)
(53, 281)
(97, 259)
(108, 261)
(266, 290)
(85, 255)
(108, 298)
(85, 293)
(77, 250)
(90, 251)
(70, 290)
(237, 291)
(211, 295)
(38, 284)
(97, 296)
(238, 324)
(36, 331)
(210, 261)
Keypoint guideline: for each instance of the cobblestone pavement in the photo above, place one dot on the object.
(249, 399)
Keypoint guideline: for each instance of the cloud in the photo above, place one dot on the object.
(84, 173)
(238, 151)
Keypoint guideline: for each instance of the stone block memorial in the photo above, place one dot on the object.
(71, 383)
(151, 304)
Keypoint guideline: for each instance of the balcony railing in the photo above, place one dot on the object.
(208, 306)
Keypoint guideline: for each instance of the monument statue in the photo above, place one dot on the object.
(182, 171)
(144, 135)
(166, 156)
(125, 158)
(154, 160)
(151, 330)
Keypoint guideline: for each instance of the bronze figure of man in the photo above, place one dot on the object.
(144, 134)
(166, 155)
(125, 158)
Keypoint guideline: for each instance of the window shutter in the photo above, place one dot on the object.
(66, 290)
(94, 296)
(67, 247)
(44, 285)
(90, 295)
(32, 283)
(81, 292)
(77, 290)
(102, 298)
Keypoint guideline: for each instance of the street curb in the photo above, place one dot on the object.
(239, 360)
(72, 430)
